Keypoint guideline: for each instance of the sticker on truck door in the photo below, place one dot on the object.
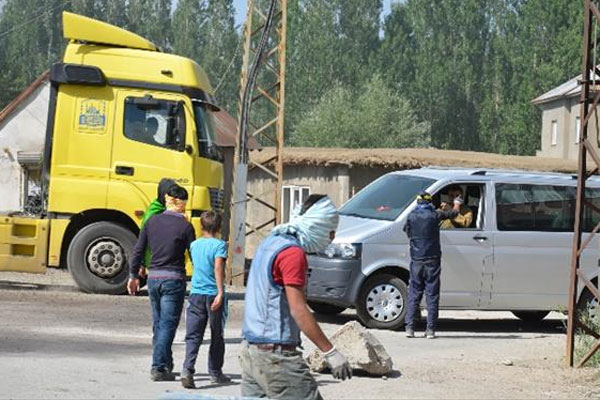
(92, 115)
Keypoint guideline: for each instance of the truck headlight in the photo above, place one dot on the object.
(343, 250)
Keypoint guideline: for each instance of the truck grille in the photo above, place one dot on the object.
(216, 199)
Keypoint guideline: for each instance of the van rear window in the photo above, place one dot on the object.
(386, 198)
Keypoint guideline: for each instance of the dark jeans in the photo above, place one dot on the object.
(166, 300)
(197, 315)
(424, 277)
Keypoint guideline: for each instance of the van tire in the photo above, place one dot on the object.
(382, 280)
(531, 316)
(325, 309)
(588, 304)
(91, 238)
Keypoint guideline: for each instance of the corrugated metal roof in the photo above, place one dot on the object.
(568, 89)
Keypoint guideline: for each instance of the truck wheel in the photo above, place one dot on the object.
(382, 302)
(531, 316)
(98, 257)
(324, 308)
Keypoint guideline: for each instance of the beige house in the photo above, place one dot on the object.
(561, 123)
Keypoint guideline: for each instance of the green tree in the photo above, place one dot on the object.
(150, 19)
(368, 117)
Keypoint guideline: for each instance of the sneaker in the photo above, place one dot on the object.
(219, 379)
(187, 381)
(430, 334)
(410, 333)
(161, 375)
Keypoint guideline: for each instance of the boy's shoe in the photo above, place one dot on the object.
(430, 334)
(219, 379)
(158, 375)
(187, 381)
(410, 333)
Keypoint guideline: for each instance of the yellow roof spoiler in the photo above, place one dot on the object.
(84, 29)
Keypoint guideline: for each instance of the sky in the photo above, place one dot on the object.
(240, 10)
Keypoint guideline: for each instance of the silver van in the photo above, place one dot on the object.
(514, 256)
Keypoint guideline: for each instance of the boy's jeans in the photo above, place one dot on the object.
(166, 300)
(197, 315)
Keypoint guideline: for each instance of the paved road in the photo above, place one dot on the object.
(58, 343)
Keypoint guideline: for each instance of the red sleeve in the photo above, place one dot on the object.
(290, 267)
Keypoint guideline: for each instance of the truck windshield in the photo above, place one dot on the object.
(386, 198)
(205, 130)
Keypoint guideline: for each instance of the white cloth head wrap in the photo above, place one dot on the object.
(313, 227)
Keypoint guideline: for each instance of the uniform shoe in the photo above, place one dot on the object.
(430, 334)
(187, 381)
(410, 333)
(220, 379)
(158, 375)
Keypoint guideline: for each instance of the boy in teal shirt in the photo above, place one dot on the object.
(207, 302)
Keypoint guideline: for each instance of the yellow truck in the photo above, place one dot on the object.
(122, 115)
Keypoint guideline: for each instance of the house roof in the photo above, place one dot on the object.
(225, 124)
(411, 158)
(21, 97)
(570, 88)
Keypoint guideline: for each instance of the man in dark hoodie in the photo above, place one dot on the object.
(156, 207)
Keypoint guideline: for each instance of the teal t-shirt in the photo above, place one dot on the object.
(204, 252)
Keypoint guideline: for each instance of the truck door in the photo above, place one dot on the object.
(467, 252)
(149, 144)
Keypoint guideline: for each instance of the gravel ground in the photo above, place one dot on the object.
(56, 342)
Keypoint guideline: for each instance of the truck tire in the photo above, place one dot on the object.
(531, 316)
(382, 302)
(325, 309)
(98, 257)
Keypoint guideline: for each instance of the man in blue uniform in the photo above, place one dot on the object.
(423, 230)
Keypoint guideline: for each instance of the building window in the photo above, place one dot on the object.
(554, 131)
(291, 197)
(577, 130)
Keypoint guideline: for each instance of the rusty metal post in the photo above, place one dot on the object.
(591, 19)
(265, 113)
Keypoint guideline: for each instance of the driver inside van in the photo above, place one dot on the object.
(465, 215)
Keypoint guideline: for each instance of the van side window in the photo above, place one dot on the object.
(155, 122)
(525, 207)
(472, 210)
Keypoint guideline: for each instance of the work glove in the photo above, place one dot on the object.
(340, 368)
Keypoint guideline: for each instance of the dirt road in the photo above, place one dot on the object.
(58, 343)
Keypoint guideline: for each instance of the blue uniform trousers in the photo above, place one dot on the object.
(424, 277)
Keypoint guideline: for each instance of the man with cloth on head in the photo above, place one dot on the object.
(276, 309)
(423, 230)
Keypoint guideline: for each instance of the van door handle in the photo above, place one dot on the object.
(122, 170)
(480, 239)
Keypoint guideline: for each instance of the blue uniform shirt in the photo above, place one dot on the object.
(204, 252)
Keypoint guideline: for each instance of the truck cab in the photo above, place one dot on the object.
(122, 115)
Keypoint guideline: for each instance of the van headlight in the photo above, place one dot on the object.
(343, 250)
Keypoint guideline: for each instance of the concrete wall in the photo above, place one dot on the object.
(565, 112)
(24, 130)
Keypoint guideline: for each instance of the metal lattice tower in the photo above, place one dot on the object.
(589, 87)
(261, 115)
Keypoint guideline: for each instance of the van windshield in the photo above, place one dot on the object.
(386, 198)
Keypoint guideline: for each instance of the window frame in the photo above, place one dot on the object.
(554, 132)
(286, 213)
(180, 122)
(480, 223)
(577, 129)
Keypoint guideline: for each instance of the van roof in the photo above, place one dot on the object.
(492, 174)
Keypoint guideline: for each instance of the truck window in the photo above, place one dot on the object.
(545, 208)
(205, 131)
(160, 123)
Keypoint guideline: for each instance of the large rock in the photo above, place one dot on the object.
(363, 350)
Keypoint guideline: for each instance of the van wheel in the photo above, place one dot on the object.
(530, 316)
(382, 302)
(98, 257)
(324, 308)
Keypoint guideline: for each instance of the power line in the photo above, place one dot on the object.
(33, 19)
(235, 54)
